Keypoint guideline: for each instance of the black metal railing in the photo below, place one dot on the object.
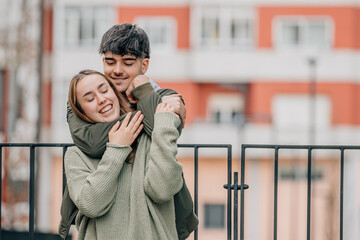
(196, 148)
(32, 147)
(309, 149)
(64, 146)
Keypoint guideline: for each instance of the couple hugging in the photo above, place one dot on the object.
(123, 179)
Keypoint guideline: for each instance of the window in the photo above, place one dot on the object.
(302, 32)
(14, 100)
(214, 215)
(226, 108)
(299, 173)
(210, 32)
(59, 108)
(2, 100)
(225, 28)
(162, 32)
(84, 26)
(298, 112)
(241, 32)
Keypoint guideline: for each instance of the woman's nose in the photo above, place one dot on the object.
(101, 99)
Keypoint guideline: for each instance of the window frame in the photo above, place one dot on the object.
(304, 102)
(82, 18)
(299, 172)
(224, 17)
(207, 219)
(304, 23)
(167, 22)
(3, 100)
(226, 108)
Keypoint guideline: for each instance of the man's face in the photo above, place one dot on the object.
(122, 70)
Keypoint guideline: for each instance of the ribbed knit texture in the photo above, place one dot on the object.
(117, 201)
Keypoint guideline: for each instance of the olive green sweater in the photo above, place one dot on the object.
(119, 201)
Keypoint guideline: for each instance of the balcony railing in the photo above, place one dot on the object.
(309, 149)
(64, 146)
(232, 201)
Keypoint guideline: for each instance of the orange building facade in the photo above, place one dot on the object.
(249, 73)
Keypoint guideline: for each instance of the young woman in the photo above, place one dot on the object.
(128, 193)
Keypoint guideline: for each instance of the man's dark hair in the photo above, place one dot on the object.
(124, 39)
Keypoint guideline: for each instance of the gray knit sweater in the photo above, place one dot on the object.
(119, 201)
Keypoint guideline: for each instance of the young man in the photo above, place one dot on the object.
(126, 51)
(126, 58)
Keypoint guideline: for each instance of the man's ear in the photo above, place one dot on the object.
(144, 65)
(103, 59)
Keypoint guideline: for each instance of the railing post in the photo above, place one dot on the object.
(32, 192)
(63, 169)
(309, 195)
(242, 199)
(229, 194)
(0, 187)
(236, 200)
(276, 171)
(341, 193)
(196, 164)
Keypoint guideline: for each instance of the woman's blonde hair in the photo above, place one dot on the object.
(74, 103)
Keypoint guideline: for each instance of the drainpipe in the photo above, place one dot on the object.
(39, 70)
(39, 119)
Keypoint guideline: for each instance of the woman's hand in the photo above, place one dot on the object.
(165, 107)
(128, 131)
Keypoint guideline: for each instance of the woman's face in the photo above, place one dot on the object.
(97, 99)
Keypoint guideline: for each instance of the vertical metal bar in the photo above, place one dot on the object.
(64, 175)
(196, 163)
(341, 192)
(236, 200)
(242, 193)
(32, 193)
(229, 194)
(0, 187)
(308, 194)
(276, 171)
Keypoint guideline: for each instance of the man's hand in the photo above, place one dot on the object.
(179, 108)
(138, 80)
(165, 107)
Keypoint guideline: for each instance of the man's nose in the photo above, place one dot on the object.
(118, 69)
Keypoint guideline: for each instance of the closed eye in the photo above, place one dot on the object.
(103, 88)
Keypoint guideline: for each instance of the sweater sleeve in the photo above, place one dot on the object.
(163, 176)
(93, 192)
(147, 104)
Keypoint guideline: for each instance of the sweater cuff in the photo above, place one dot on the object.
(142, 91)
(118, 151)
(166, 119)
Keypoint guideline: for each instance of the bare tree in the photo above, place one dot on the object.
(19, 43)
